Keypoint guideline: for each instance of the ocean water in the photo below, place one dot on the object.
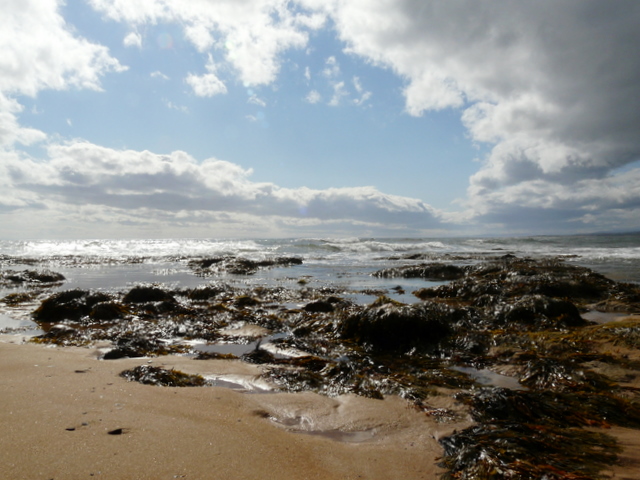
(345, 263)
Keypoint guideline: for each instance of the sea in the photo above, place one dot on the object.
(339, 262)
(343, 266)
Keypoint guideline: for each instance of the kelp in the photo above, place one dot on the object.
(161, 377)
(575, 409)
(526, 451)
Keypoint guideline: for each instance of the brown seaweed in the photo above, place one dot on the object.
(161, 377)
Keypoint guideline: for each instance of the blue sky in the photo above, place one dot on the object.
(220, 118)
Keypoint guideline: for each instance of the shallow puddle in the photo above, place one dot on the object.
(332, 434)
(238, 349)
(241, 383)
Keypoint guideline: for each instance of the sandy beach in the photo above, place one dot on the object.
(59, 405)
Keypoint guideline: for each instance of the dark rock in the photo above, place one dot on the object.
(320, 306)
(68, 305)
(239, 266)
(143, 294)
(130, 346)
(430, 271)
(107, 311)
(540, 311)
(32, 277)
(397, 328)
(208, 292)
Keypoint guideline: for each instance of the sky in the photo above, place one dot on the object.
(308, 118)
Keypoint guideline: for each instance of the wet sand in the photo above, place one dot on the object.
(58, 406)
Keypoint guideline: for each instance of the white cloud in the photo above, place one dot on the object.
(255, 100)
(172, 106)
(207, 85)
(313, 97)
(133, 39)
(39, 51)
(364, 95)
(339, 93)
(10, 130)
(252, 33)
(332, 68)
(160, 75)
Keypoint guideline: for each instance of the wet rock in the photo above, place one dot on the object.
(431, 271)
(562, 375)
(131, 346)
(32, 277)
(540, 312)
(144, 294)
(397, 328)
(68, 305)
(208, 292)
(14, 299)
(107, 311)
(238, 265)
(319, 306)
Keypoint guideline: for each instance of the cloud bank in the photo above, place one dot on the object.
(147, 189)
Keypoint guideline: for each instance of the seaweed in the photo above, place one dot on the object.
(432, 271)
(149, 375)
(523, 451)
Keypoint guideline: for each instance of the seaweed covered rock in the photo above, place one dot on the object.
(238, 265)
(145, 294)
(540, 311)
(320, 306)
(428, 271)
(390, 327)
(107, 311)
(150, 375)
(516, 277)
(68, 305)
(30, 277)
(134, 346)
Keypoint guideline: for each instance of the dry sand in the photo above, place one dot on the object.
(58, 405)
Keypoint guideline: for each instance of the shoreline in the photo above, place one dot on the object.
(60, 403)
(380, 390)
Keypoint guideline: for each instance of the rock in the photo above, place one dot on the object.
(31, 277)
(107, 311)
(431, 271)
(397, 328)
(238, 265)
(540, 311)
(144, 294)
(68, 305)
(320, 306)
